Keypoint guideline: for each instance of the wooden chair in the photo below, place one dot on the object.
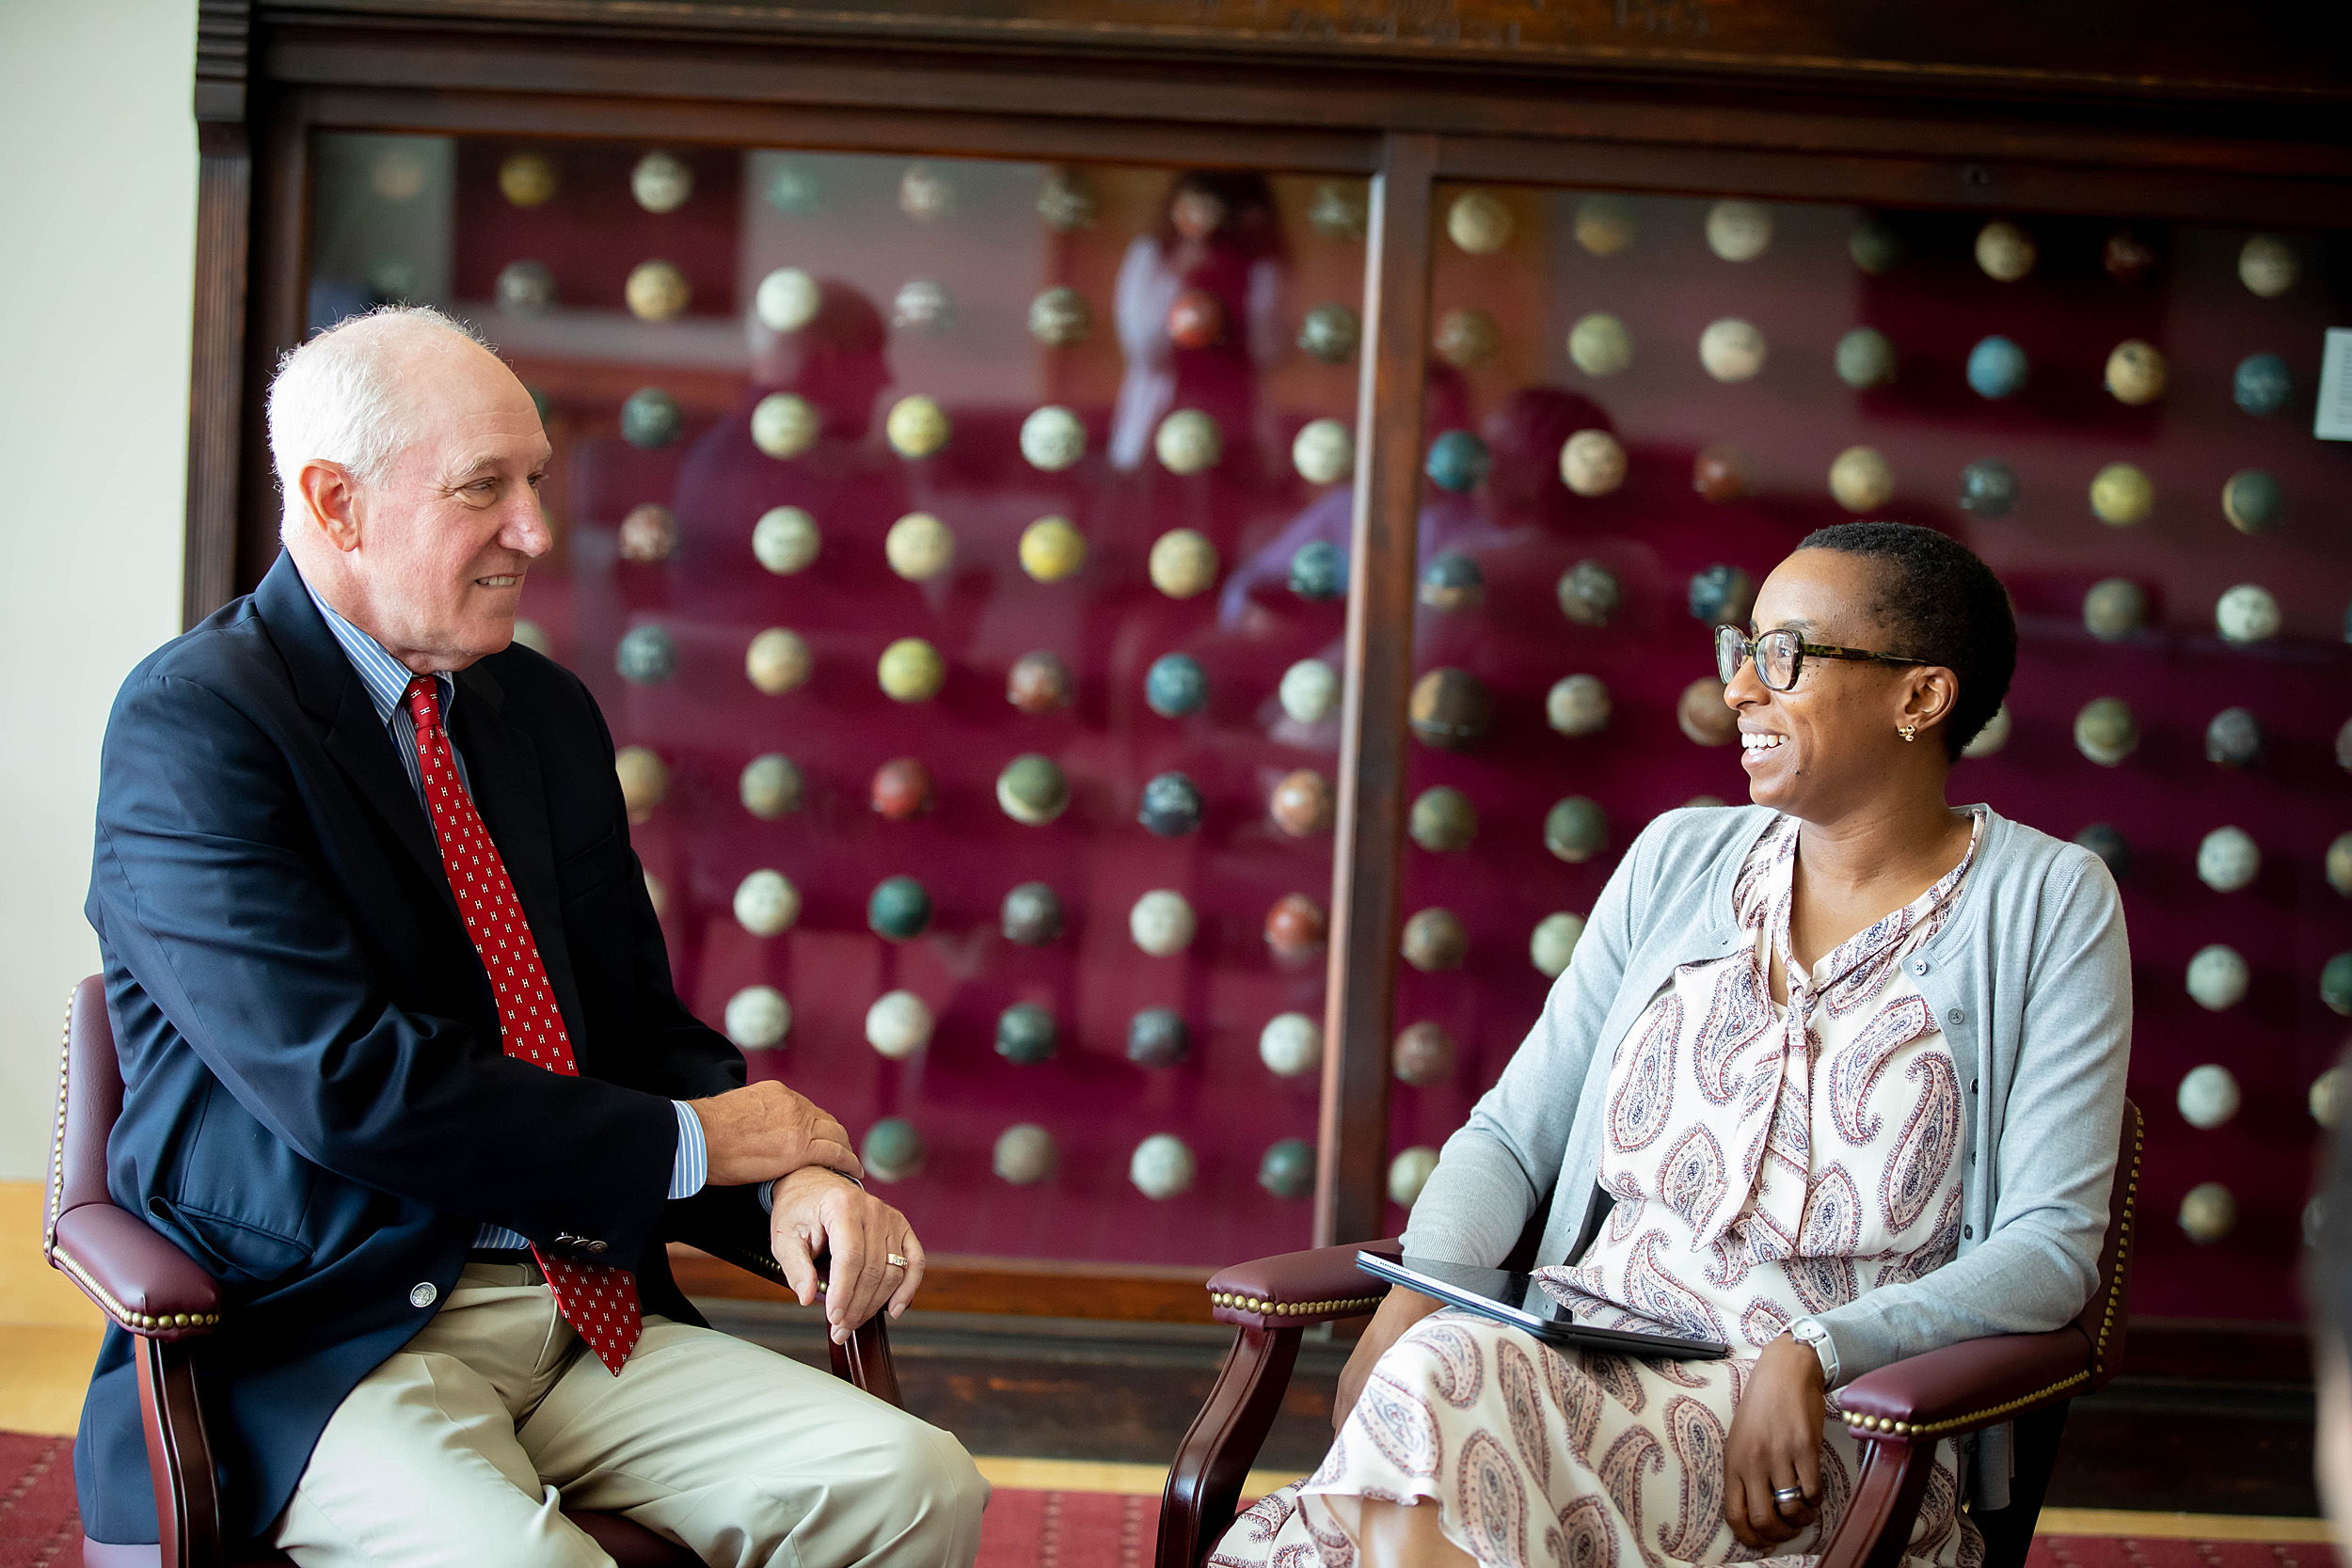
(1899, 1412)
(154, 1292)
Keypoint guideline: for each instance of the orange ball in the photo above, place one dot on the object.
(902, 789)
(1294, 927)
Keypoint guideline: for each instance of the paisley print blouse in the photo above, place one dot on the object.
(1770, 1162)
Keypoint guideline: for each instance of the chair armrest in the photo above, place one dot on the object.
(136, 1276)
(1978, 1382)
(1291, 1290)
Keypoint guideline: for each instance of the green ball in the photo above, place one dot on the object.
(892, 1149)
(901, 909)
(1288, 1169)
(650, 418)
(1025, 1032)
(2253, 501)
(2335, 984)
(1032, 789)
(1576, 829)
(1865, 358)
(1443, 819)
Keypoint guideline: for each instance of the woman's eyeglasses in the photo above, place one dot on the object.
(1780, 654)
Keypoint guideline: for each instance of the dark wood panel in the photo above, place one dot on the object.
(2111, 48)
(274, 318)
(224, 218)
(1351, 1196)
(1226, 97)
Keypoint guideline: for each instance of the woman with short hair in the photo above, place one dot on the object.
(1834, 1079)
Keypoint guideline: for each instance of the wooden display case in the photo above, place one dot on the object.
(2188, 129)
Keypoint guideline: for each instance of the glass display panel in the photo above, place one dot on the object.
(2118, 417)
(927, 531)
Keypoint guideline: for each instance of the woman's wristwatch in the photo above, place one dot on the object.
(1808, 1331)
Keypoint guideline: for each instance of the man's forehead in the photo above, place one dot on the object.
(498, 455)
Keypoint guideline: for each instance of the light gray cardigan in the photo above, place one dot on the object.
(2031, 977)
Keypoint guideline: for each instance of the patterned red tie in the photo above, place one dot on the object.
(598, 1299)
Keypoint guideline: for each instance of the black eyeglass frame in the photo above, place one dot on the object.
(1729, 667)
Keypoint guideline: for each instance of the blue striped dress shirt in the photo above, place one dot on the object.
(387, 681)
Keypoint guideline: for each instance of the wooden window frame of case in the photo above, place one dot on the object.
(264, 91)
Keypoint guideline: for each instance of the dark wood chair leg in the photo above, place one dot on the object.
(1885, 1507)
(2008, 1532)
(179, 1458)
(865, 1361)
(1205, 1484)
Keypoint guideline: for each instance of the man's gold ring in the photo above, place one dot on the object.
(897, 1262)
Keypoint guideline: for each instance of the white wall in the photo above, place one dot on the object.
(97, 257)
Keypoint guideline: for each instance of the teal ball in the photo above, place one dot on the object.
(1175, 686)
(1025, 1032)
(2335, 983)
(2234, 738)
(1452, 581)
(1996, 368)
(1988, 488)
(1288, 1169)
(1171, 805)
(1031, 915)
(2260, 383)
(646, 654)
(1459, 461)
(901, 909)
(1865, 358)
(1576, 829)
(892, 1149)
(2109, 845)
(1721, 595)
(2253, 501)
(1319, 570)
(1156, 1037)
(650, 418)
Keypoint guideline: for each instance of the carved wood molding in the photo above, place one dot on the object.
(224, 32)
(2151, 50)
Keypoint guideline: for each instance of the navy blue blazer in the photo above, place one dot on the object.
(315, 1103)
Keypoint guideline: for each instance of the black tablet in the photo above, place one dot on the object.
(1517, 1300)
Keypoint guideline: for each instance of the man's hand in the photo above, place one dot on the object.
(764, 1130)
(1400, 1311)
(1776, 1442)
(819, 1211)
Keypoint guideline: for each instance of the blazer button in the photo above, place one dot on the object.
(423, 1293)
(1967, 1233)
(593, 1246)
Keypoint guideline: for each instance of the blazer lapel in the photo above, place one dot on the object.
(355, 738)
(502, 766)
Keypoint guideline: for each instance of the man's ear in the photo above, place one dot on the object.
(329, 503)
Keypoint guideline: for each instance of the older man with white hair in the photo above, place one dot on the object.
(406, 1071)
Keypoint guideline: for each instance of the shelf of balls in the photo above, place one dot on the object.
(984, 784)
(1639, 406)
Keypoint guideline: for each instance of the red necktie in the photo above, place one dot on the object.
(598, 1299)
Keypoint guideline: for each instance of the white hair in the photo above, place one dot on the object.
(337, 396)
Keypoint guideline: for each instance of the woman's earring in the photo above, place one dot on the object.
(1909, 732)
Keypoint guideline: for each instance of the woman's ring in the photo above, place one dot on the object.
(899, 1262)
(1786, 1494)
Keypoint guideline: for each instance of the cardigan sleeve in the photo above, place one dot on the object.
(2055, 1165)
(1494, 1171)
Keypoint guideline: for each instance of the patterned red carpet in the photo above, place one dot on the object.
(38, 1527)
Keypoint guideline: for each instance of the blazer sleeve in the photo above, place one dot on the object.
(2038, 1261)
(209, 885)
(1495, 1170)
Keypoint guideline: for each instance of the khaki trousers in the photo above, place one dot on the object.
(464, 1446)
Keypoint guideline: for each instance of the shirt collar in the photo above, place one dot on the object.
(385, 677)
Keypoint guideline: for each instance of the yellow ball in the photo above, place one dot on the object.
(2005, 251)
(777, 660)
(911, 671)
(919, 546)
(2121, 495)
(1182, 563)
(1861, 480)
(783, 424)
(918, 426)
(1051, 550)
(644, 780)
(527, 180)
(657, 292)
(1479, 223)
(1600, 345)
(1189, 441)
(2136, 371)
(2268, 266)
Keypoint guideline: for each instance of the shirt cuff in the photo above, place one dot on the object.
(690, 1170)
(767, 1189)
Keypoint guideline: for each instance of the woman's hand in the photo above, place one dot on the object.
(1401, 1311)
(1776, 1442)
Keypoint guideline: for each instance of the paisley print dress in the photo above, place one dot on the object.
(1765, 1163)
